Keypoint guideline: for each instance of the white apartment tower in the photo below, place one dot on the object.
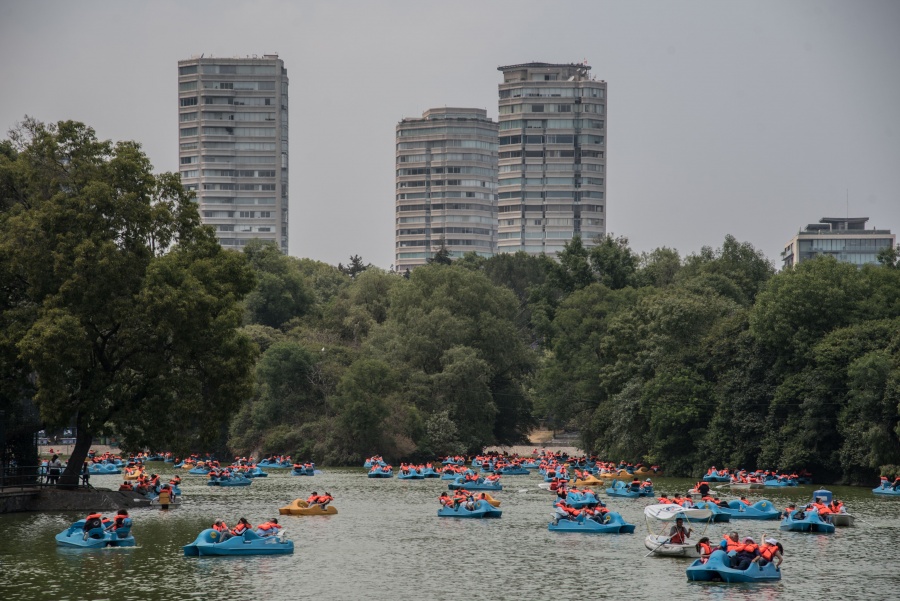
(233, 145)
(446, 186)
(552, 180)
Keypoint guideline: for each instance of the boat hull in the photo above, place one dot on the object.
(208, 544)
(300, 507)
(615, 525)
(718, 569)
(482, 509)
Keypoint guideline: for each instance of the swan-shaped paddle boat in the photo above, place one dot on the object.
(806, 520)
(612, 523)
(210, 543)
(482, 509)
(718, 568)
(301, 507)
(97, 538)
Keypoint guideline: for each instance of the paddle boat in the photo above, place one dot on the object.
(621, 489)
(616, 475)
(458, 460)
(303, 470)
(512, 470)
(384, 471)
(276, 464)
(840, 518)
(738, 485)
(450, 473)
(232, 480)
(428, 472)
(716, 476)
(776, 481)
(487, 497)
(411, 475)
(301, 507)
(376, 460)
(103, 469)
(644, 472)
(97, 538)
(718, 569)
(210, 543)
(761, 510)
(255, 472)
(480, 484)
(582, 499)
(661, 543)
(612, 523)
(200, 470)
(806, 520)
(482, 509)
(885, 489)
(591, 480)
(719, 514)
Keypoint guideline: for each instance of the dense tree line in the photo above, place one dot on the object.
(122, 315)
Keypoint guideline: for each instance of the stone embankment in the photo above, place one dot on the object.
(49, 499)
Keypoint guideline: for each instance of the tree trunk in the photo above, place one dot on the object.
(72, 474)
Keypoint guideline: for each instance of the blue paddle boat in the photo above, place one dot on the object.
(381, 473)
(103, 469)
(719, 514)
(256, 472)
(482, 509)
(621, 489)
(806, 520)
(428, 472)
(233, 480)
(200, 470)
(779, 482)
(582, 499)
(305, 470)
(512, 470)
(209, 542)
(718, 569)
(454, 475)
(97, 538)
(761, 510)
(480, 484)
(411, 475)
(612, 524)
(886, 490)
(716, 476)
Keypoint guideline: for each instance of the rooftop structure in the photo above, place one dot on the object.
(844, 238)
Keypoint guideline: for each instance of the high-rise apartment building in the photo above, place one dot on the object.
(844, 238)
(233, 136)
(446, 185)
(552, 180)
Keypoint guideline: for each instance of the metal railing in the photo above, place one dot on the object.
(13, 478)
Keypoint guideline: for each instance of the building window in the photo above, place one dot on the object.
(188, 131)
(189, 101)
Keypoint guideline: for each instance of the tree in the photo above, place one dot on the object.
(355, 267)
(282, 292)
(613, 262)
(123, 310)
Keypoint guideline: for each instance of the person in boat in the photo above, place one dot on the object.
(166, 496)
(446, 501)
(242, 526)
(459, 497)
(564, 510)
(896, 483)
(788, 511)
(121, 524)
(745, 555)
(678, 534)
(635, 485)
(647, 484)
(731, 542)
(664, 499)
(771, 550)
(92, 521)
(313, 499)
(745, 501)
(704, 548)
(220, 526)
(126, 486)
(270, 528)
(703, 489)
(837, 506)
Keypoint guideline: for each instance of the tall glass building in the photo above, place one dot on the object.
(446, 185)
(552, 179)
(233, 145)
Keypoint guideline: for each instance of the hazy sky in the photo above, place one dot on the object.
(748, 118)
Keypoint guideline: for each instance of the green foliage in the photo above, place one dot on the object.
(122, 312)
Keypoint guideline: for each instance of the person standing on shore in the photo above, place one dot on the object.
(55, 468)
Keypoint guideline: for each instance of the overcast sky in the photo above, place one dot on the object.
(751, 119)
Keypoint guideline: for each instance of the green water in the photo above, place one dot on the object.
(387, 543)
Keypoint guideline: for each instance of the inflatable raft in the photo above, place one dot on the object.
(210, 543)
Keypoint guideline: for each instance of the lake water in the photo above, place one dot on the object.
(388, 543)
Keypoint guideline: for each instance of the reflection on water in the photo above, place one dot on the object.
(388, 543)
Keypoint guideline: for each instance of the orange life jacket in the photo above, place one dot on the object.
(664, 501)
(730, 545)
(220, 527)
(705, 552)
(239, 529)
(768, 553)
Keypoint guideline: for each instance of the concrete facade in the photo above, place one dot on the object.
(552, 157)
(446, 185)
(233, 145)
(844, 238)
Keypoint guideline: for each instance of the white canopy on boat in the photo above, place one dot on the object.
(670, 512)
